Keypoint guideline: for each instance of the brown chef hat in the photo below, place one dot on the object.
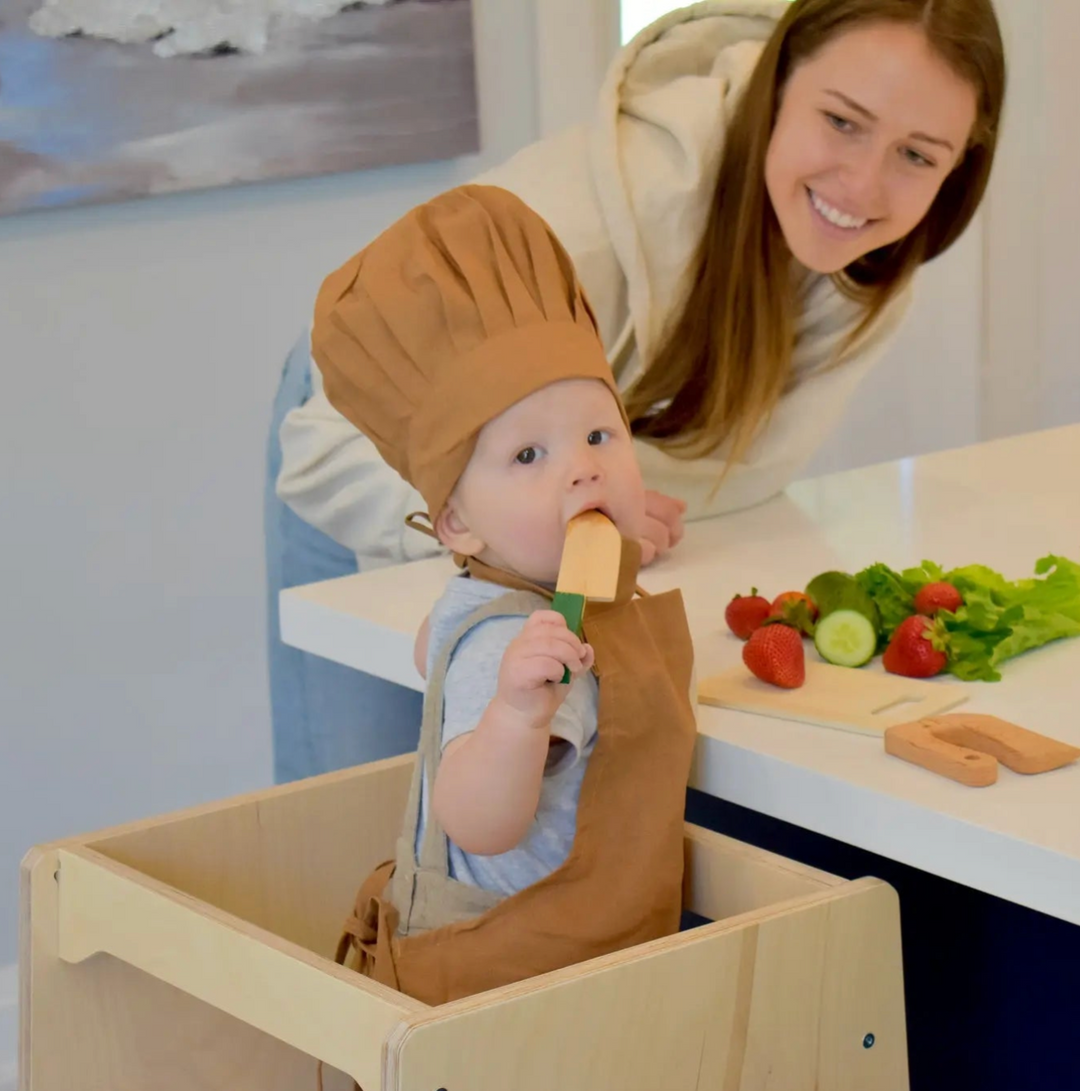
(463, 307)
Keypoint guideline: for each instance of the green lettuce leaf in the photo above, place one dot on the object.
(1032, 631)
(1000, 618)
(927, 572)
(892, 594)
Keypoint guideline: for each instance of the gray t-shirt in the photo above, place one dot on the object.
(471, 683)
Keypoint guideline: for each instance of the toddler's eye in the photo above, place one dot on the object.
(526, 456)
(597, 437)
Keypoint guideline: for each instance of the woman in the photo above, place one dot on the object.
(746, 213)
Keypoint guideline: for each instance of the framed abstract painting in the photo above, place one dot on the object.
(107, 100)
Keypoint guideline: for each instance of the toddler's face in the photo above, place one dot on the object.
(561, 451)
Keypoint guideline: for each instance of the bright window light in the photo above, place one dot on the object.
(635, 15)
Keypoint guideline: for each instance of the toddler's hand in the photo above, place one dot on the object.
(532, 667)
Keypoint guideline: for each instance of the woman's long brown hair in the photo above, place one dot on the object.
(725, 360)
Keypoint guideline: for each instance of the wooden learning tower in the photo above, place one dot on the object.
(195, 951)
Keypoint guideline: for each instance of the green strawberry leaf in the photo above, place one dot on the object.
(797, 615)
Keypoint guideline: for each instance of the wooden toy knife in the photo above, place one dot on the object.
(589, 568)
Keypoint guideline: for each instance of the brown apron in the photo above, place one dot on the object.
(423, 933)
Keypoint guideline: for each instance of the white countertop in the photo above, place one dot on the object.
(1003, 504)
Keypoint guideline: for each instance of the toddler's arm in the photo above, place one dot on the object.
(488, 785)
(420, 647)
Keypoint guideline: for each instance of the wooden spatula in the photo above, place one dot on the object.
(967, 746)
(589, 568)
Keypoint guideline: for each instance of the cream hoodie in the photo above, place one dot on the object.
(627, 195)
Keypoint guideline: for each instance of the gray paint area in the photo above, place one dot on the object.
(87, 119)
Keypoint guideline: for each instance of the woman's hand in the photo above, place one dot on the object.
(663, 525)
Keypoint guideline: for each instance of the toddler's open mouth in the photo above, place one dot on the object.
(594, 507)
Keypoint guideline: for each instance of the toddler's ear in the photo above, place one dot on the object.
(454, 532)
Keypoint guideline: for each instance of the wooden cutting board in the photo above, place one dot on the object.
(851, 699)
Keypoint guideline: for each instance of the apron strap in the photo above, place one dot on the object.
(481, 571)
(421, 521)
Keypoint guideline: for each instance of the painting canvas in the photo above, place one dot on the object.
(105, 100)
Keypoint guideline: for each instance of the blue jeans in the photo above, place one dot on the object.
(325, 716)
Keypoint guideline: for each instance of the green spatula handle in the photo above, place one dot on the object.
(572, 607)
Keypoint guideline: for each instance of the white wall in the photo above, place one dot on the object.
(8, 1026)
(1059, 233)
(142, 344)
(924, 394)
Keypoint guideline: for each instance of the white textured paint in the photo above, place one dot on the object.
(181, 26)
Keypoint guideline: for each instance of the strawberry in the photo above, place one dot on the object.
(915, 650)
(937, 596)
(745, 613)
(774, 653)
(797, 609)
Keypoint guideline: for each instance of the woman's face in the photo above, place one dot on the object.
(868, 129)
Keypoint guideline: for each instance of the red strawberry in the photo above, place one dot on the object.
(937, 596)
(745, 613)
(797, 609)
(915, 649)
(774, 653)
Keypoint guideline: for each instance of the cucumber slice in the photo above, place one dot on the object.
(846, 637)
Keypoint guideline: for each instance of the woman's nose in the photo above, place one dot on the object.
(864, 179)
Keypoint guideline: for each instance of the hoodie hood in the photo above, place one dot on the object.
(657, 141)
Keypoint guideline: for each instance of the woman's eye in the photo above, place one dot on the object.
(916, 158)
(840, 124)
(526, 456)
(597, 437)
